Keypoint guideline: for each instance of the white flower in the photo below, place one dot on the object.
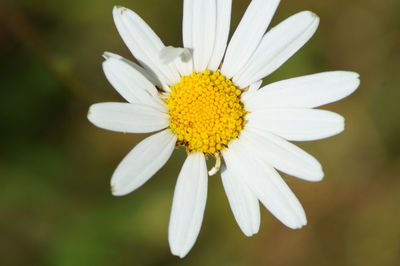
(190, 98)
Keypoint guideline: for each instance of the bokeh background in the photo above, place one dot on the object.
(55, 204)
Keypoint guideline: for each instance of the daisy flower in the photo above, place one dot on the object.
(207, 98)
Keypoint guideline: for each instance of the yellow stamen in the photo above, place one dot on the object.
(206, 112)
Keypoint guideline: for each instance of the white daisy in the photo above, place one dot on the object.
(190, 98)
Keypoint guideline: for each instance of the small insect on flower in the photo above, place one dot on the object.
(206, 97)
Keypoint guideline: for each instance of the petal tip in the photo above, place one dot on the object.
(314, 15)
(117, 7)
(318, 174)
(358, 81)
(90, 113)
(119, 10)
(118, 192)
(108, 55)
(178, 252)
(299, 225)
(250, 233)
(315, 176)
(319, 177)
(112, 188)
(309, 14)
(347, 74)
(356, 75)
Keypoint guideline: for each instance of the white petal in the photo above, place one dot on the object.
(267, 185)
(297, 124)
(251, 90)
(277, 46)
(248, 35)
(127, 118)
(307, 91)
(185, 67)
(181, 57)
(243, 202)
(131, 84)
(144, 44)
(188, 205)
(277, 197)
(282, 154)
(187, 23)
(170, 53)
(142, 162)
(150, 76)
(224, 8)
(203, 35)
(198, 30)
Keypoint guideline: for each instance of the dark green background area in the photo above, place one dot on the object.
(55, 205)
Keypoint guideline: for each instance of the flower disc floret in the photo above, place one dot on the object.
(205, 111)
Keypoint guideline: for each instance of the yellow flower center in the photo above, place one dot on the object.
(205, 111)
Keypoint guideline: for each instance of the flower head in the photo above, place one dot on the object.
(206, 97)
(205, 112)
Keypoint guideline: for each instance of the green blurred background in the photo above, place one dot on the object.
(55, 203)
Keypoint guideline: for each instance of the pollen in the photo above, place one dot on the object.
(205, 112)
